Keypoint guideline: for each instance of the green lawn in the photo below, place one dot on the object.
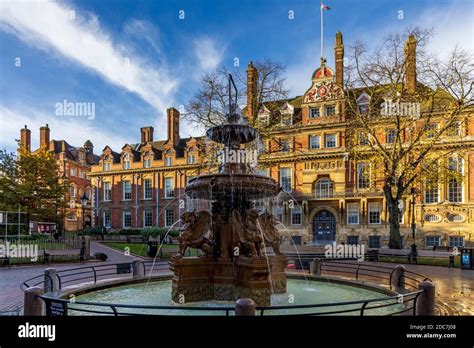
(139, 249)
(429, 261)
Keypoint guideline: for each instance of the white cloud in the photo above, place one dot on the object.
(75, 130)
(208, 53)
(48, 25)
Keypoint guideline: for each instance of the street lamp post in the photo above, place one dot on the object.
(84, 200)
(413, 223)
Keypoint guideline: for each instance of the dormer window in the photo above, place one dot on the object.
(286, 112)
(147, 160)
(286, 120)
(106, 164)
(168, 158)
(126, 163)
(314, 113)
(363, 103)
(191, 156)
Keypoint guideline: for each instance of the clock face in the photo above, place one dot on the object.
(322, 91)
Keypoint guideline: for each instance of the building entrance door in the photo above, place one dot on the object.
(324, 228)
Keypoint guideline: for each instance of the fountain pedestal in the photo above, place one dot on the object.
(203, 279)
(233, 235)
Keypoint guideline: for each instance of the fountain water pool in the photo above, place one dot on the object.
(157, 293)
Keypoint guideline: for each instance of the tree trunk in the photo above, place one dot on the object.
(394, 218)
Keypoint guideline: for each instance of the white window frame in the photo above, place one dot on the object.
(166, 217)
(431, 244)
(145, 211)
(125, 191)
(290, 181)
(124, 212)
(311, 113)
(453, 245)
(311, 142)
(326, 191)
(127, 163)
(371, 208)
(145, 188)
(107, 192)
(326, 140)
(169, 190)
(105, 222)
(326, 107)
(358, 172)
(460, 168)
(295, 212)
(353, 210)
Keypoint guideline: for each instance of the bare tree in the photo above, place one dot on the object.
(400, 118)
(209, 105)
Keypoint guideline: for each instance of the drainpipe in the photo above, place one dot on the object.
(157, 199)
(136, 200)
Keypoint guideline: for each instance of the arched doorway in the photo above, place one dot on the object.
(324, 228)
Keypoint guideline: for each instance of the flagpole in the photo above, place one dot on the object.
(322, 35)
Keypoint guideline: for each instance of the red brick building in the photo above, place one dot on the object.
(74, 163)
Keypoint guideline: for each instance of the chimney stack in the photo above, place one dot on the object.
(44, 136)
(410, 64)
(252, 78)
(147, 134)
(25, 139)
(173, 125)
(339, 59)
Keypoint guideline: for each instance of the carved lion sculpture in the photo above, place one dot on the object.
(248, 232)
(193, 232)
(270, 233)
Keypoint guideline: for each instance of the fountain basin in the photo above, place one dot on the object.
(300, 292)
(226, 186)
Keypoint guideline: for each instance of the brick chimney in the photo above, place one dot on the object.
(173, 125)
(147, 134)
(44, 136)
(339, 59)
(410, 64)
(25, 139)
(252, 78)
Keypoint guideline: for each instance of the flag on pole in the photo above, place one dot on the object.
(324, 7)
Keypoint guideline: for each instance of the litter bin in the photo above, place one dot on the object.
(467, 255)
(151, 248)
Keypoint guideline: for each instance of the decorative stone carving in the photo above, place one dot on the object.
(194, 231)
(271, 235)
(248, 232)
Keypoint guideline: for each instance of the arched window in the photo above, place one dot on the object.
(324, 188)
(126, 161)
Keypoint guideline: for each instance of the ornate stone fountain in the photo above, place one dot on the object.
(233, 236)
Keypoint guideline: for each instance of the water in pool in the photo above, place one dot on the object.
(299, 292)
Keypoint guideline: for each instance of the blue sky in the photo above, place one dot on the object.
(133, 59)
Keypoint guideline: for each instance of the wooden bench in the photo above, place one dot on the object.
(48, 254)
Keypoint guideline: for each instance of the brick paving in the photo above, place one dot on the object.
(454, 287)
(11, 297)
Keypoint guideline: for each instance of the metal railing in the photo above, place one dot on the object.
(358, 270)
(361, 271)
(95, 273)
